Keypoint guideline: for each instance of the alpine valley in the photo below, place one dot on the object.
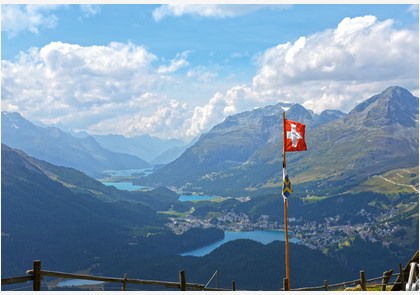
(354, 204)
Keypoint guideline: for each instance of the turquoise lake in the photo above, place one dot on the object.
(185, 198)
(77, 282)
(263, 236)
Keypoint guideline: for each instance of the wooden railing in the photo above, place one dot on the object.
(378, 284)
(362, 284)
(36, 274)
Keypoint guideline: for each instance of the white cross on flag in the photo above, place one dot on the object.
(294, 136)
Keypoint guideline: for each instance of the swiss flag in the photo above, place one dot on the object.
(294, 136)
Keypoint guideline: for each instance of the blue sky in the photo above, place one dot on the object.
(177, 70)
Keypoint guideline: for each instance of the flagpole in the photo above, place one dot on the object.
(285, 207)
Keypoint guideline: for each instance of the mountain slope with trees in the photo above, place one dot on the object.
(46, 216)
(242, 156)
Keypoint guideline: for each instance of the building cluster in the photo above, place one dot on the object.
(330, 232)
(230, 221)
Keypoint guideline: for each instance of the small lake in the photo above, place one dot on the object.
(77, 282)
(125, 186)
(192, 198)
(263, 236)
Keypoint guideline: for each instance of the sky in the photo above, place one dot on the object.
(176, 70)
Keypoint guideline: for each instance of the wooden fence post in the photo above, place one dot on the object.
(233, 286)
(36, 283)
(285, 284)
(326, 285)
(386, 278)
(363, 280)
(124, 282)
(402, 279)
(182, 281)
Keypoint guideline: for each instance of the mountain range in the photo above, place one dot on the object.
(152, 149)
(61, 148)
(73, 222)
(243, 154)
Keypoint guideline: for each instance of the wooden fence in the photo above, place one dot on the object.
(378, 284)
(36, 274)
(363, 284)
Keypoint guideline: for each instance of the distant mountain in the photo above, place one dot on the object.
(145, 146)
(394, 106)
(242, 154)
(330, 115)
(61, 148)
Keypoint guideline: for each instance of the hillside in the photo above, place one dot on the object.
(252, 265)
(61, 148)
(242, 155)
(47, 216)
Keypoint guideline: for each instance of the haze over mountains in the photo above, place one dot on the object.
(243, 153)
(145, 147)
(91, 154)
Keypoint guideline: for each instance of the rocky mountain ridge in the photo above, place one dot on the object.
(243, 153)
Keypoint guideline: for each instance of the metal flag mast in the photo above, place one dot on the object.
(296, 136)
(285, 208)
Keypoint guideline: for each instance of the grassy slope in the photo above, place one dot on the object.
(393, 182)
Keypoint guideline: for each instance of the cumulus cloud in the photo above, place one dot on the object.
(119, 88)
(177, 63)
(71, 83)
(166, 120)
(321, 70)
(204, 10)
(89, 10)
(19, 18)
(202, 74)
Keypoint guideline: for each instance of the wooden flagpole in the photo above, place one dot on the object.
(285, 207)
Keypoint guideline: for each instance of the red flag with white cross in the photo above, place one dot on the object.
(294, 135)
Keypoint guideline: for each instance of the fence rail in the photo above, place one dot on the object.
(365, 284)
(35, 275)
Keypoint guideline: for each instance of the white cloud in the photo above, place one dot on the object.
(166, 120)
(77, 84)
(205, 10)
(19, 18)
(202, 74)
(329, 69)
(414, 10)
(124, 88)
(89, 10)
(16, 19)
(177, 63)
